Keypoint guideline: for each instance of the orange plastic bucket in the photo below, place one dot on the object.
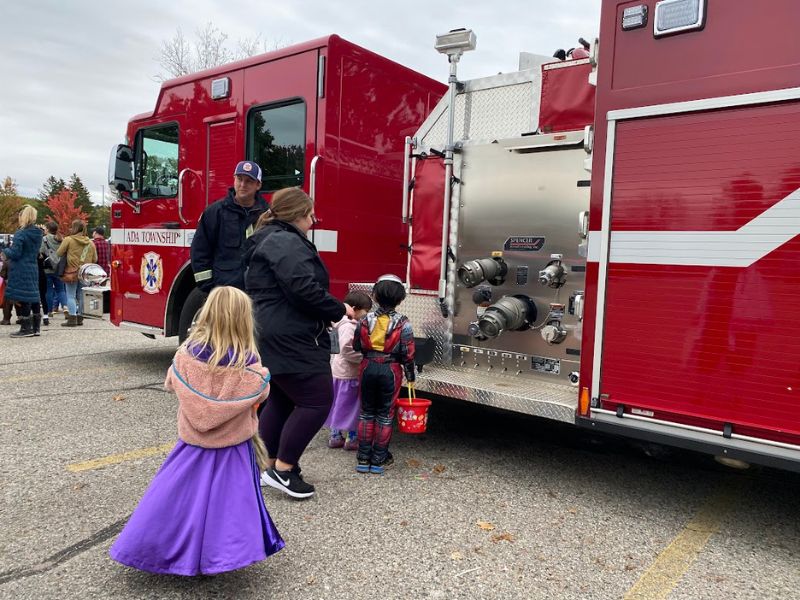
(412, 413)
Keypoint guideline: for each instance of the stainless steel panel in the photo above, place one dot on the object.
(535, 194)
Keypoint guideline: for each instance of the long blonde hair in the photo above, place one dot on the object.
(225, 323)
(27, 216)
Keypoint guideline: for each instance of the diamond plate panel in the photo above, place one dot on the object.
(551, 401)
(487, 114)
(426, 319)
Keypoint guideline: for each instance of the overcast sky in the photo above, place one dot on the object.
(74, 72)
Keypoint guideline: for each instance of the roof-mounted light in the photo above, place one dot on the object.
(673, 16)
(634, 17)
(455, 42)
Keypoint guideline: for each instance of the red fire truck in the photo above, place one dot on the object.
(601, 240)
(613, 236)
(326, 115)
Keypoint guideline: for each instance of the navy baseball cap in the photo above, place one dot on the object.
(249, 168)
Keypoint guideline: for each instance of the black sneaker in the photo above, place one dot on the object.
(288, 482)
(379, 468)
(362, 466)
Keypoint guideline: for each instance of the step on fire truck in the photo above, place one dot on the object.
(326, 115)
(611, 240)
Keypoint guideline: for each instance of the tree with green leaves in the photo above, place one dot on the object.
(102, 216)
(83, 199)
(50, 188)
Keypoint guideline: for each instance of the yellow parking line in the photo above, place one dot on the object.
(114, 459)
(673, 562)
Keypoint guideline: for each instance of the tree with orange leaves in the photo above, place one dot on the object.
(10, 203)
(62, 205)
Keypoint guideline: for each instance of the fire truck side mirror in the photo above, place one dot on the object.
(120, 168)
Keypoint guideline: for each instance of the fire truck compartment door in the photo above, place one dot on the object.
(426, 224)
(702, 265)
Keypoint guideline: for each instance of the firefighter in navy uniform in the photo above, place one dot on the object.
(218, 243)
(223, 228)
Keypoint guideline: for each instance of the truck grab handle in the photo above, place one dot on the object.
(312, 183)
(180, 194)
(407, 146)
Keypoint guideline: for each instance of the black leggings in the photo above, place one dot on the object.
(25, 308)
(294, 412)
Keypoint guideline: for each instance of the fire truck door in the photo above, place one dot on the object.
(281, 99)
(702, 209)
(152, 247)
(426, 224)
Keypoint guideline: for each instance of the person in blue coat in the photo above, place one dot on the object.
(23, 277)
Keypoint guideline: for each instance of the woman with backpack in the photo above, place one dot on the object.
(23, 277)
(55, 294)
(79, 251)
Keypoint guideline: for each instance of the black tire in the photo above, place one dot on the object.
(194, 302)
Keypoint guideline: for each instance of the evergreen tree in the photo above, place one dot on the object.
(102, 216)
(51, 187)
(83, 199)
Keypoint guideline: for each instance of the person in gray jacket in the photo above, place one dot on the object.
(56, 294)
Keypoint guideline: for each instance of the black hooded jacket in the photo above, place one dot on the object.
(289, 283)
(218, 243)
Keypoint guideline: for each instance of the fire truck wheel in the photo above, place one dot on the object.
(194, 302)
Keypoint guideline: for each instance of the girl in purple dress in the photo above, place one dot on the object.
(343, 418)
(203, 512)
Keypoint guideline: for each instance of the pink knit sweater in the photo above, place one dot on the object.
(345, 365)
(216, 406)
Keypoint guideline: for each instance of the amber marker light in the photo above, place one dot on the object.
(583, 402)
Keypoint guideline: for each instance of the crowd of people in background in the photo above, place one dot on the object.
(255, 384)
(37, 283)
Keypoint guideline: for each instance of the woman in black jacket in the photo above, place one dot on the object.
(293, 309)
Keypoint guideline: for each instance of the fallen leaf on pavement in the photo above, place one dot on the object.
(118, 398)
(439, 469)
(572, 510)
(502, 537)
(413, 463)
(78, 486)
(403, 523)
(457, 555)
(485, 526)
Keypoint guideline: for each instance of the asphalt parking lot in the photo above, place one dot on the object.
(485, 505)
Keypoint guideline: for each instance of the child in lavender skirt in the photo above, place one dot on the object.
(345, 366)
(203, 512)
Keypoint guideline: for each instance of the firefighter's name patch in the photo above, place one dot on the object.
(151, 273)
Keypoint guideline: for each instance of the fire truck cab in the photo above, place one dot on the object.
(325, 115)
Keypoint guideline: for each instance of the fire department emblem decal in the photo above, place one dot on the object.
(151, 273)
